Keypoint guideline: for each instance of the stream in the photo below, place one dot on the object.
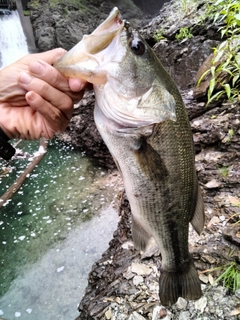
(52, 231)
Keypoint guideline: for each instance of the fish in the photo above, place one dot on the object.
(142, 119)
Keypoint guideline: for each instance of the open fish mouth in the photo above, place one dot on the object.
(82, 59)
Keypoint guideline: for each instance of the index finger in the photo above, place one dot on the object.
(49, 56)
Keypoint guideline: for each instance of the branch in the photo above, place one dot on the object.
(19, 181)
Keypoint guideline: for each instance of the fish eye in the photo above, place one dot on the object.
(137, 47)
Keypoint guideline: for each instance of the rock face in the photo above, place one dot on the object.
(64, 24)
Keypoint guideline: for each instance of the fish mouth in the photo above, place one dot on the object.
(82, 59)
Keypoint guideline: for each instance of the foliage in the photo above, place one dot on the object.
(184, 33)
(187, 6)
(226, 59)
(230, 277)
(158, 35)
(224, 171)
(26, 13)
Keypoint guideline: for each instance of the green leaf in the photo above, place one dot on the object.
(211, 87)
(227, 89)
(235, 79)
(218, 2)
(213, 68)
(202, 77)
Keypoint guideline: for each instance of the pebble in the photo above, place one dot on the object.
(140, 269)
(237, 293)
(181, 303)
(184, 315)
(137, 280)
(136, 316)
(201, 304)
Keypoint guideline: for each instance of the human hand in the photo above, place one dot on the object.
(35, 99)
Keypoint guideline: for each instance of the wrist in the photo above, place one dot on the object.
(6, 149)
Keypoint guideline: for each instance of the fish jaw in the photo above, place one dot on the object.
(84, 60)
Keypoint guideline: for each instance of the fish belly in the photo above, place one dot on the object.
(159, 198)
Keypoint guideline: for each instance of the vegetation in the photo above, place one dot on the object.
(224, 171)
(230, 278)
(26, 13)
(184, 33)
(158, 35)
(225, 68)
(187, 6)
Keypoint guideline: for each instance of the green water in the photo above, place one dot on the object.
(46, 250)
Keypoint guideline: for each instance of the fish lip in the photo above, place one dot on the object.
(113, 22)
(73, 63)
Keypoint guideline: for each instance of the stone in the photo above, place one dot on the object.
(184, 315)
(201, 304)
(137, 280)
(181, 303)
(108, 314)
(161, 313)
(140, 269)
(136, 316)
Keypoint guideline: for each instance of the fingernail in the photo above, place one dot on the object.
(37, 67)
(31, 95)
(25, 77)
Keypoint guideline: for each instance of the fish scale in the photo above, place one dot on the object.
(141, 117)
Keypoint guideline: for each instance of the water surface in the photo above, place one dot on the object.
(46, 250)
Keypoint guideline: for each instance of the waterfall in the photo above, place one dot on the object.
(13, 43)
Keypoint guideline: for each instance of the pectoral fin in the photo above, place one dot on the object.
(150, 161)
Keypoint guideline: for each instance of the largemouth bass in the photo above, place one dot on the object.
(141, 117)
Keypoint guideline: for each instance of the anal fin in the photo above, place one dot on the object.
(198, 217)
(139, 235)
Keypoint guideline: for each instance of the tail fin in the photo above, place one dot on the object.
(185, 284)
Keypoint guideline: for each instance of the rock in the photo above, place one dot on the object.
(184, 315)
(140, 269)
(201, 304)
(137, 280)
(136, 316)
(161, 313)
(232, 234)
(181, 303)
(108, 314)
(213, 184)
(237, 293)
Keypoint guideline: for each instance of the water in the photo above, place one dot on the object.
(13, 43)
(46, 250)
